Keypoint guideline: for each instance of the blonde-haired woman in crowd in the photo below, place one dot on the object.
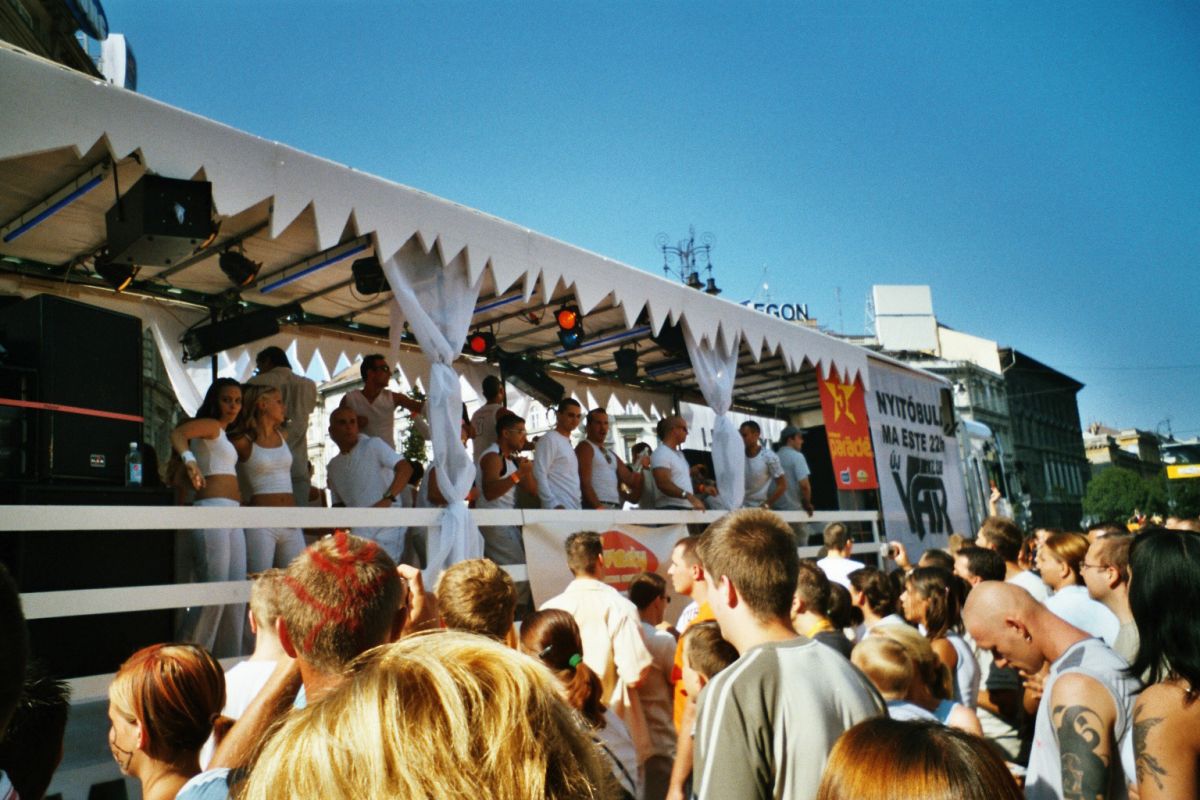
(440, 714)
(265, 461)
(933, 686)
(1060, 561)
(162, 704)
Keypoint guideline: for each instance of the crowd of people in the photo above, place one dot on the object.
(1055, 665)
(952, 681)
(247, 445)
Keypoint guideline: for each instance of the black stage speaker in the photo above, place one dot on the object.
(531, 379)
(88, 358)
(48, 561)
(159, 221)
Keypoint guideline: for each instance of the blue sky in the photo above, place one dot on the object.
(1036, 164)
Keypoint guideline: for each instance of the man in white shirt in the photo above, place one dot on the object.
(375, 404)
(299, 400)
(765, 483)
(609, 625)
(555, 466)
(648, 592)
(1002, 535)
(483, 421)
(798, 494)
(838, 565)
(1081, 737)
(366, 473)
(1105, 571)
(601, 471)
(672, 476)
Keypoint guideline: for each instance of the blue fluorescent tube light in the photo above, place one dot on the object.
(53, 209)
(592, 344)
(284, 281)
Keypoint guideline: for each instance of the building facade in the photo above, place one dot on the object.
(1047, 439)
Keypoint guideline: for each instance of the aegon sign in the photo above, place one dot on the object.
(792, 312)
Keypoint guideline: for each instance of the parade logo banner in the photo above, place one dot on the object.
(844, 408)
(921, 482)
(628, 551)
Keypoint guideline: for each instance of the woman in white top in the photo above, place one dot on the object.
(266, 463)
(932, 601)
(218, 554)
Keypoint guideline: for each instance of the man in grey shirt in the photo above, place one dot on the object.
(765, 724)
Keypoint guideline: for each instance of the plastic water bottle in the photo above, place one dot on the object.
(133, 466)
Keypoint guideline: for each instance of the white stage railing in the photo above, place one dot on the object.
(107, 519)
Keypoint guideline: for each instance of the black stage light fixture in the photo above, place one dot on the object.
(531, 379)
(570, 326)
(118, 276)
(240, 270)
(368, 276)
(627, 366)
(233, 331)
(481, 343)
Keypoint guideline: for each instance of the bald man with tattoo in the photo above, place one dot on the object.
(1081, 746)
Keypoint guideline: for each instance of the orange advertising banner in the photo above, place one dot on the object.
(844, 407)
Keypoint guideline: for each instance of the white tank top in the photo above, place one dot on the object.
(507, 467)
(604, 475)
(215, 456)
(269, 469)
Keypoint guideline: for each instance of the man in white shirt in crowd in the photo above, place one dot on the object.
(1002, 535)
(366, 473)
(648, 592)
(672, 476)
(483, 421)
(837, 564)
(601, 471)
(1105, 571)
(375, 404)
(797, 495)
(299, 400)
(609, 626)
(555, 466)
(765, 482)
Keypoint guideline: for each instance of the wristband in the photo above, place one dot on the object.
(188, 457)
(391, 498)
(515, 477)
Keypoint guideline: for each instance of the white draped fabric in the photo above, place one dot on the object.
(715, 367)
(437, 303)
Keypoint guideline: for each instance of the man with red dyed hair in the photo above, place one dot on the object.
(339, 598)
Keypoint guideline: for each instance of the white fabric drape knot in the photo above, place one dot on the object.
(715, 368)
(437, 302)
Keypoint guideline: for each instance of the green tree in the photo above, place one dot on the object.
(1116, 492)
(414, 442)
(1185, 497)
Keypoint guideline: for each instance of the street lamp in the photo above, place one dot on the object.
(686, 253)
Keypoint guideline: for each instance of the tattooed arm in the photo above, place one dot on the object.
(1166, 743)
(1082, 713)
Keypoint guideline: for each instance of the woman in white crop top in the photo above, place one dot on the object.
(266, 462)
(218, 554)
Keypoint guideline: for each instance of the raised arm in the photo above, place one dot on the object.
(636, 481)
